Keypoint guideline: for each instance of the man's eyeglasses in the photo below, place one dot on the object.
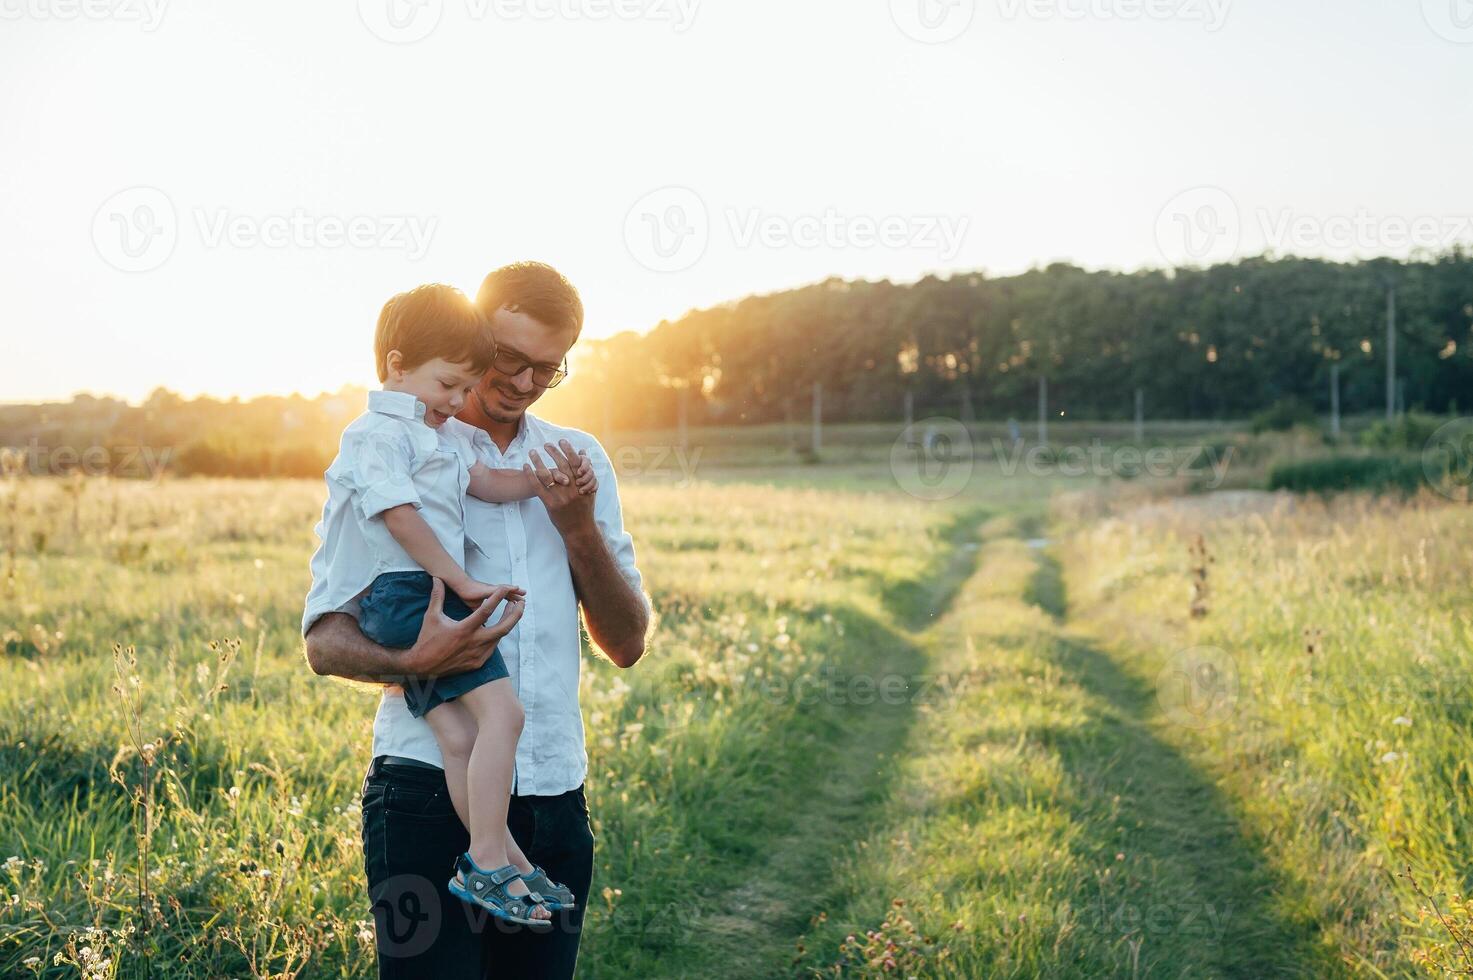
(543, 376)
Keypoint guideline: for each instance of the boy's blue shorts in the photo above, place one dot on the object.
(391, 613)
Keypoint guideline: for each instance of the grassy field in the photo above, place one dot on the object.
(876, 734)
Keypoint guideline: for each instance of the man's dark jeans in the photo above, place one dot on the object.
(411, 837)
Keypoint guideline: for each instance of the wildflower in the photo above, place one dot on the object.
(1402, 720)
(1391, 757)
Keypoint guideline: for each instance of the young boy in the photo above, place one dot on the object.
(393, 519)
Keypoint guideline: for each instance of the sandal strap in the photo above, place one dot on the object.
(500, 876)
(544, 882)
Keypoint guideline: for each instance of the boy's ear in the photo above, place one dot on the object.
(394, 364)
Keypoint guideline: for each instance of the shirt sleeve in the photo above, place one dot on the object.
(377, 466)
(608, 514)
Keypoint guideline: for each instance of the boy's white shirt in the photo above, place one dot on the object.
(387, 457)
(516, 544)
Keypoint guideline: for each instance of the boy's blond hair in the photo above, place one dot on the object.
(429, 322)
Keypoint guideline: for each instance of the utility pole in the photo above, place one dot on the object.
(1390, 351)
(1042, 411)
(817, 417)
(1140, 415)
(1335, 399)
(681, 418)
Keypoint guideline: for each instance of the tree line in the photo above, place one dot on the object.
(1221, 342)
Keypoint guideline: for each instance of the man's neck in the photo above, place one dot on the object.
(501, 433)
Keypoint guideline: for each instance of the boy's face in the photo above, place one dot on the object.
(521, 341)
(442, 385)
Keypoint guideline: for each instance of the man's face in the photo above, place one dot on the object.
(501, 397)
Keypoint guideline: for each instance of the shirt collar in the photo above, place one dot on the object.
(518, 441)
(400, 404)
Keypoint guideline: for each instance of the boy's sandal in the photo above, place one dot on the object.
(558, 898)
(487, 890)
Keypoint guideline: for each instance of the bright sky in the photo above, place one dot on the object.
(218, 197)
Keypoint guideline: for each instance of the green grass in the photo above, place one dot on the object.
(1342, 653)
(1042, 823)
(869, 726)
(706, 760)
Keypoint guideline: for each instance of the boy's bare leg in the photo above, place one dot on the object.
(498, 719)
(455, 731)
(515, 856)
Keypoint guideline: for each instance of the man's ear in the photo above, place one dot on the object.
(394, 365)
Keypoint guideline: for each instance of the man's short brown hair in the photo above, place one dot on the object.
(536, 289)
(429, 322)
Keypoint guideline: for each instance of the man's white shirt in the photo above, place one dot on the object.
(516, 543)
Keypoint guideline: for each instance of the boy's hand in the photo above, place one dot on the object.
(473, 592)
(447, 646)
(584, 478)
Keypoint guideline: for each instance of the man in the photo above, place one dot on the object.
(565, 550)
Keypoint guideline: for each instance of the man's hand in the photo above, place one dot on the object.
(570, 511)
(445, 646)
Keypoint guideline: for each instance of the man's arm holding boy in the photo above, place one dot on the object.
(337, 647)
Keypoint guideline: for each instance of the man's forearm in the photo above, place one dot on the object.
(337, 647)
(615, 613)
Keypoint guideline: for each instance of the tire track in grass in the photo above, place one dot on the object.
(755, 929)
(1044, 824)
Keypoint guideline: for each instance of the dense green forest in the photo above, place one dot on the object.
(1221, 342)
